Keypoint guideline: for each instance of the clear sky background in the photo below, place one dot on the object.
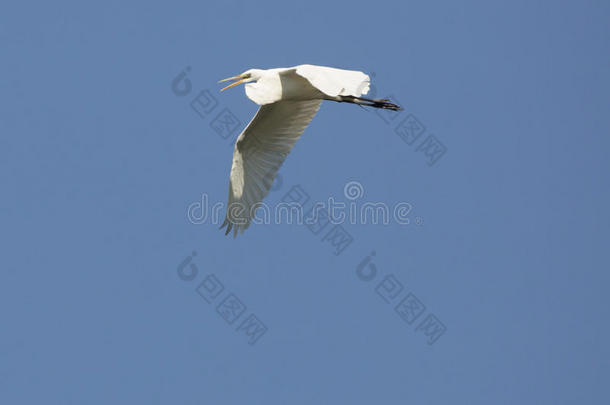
(506, 249)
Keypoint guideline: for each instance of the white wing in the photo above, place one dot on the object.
(307, 82)
(259, 152)
(335, 82)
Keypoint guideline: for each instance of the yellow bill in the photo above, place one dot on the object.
(238, 78)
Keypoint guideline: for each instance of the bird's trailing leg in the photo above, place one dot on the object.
(377, 103)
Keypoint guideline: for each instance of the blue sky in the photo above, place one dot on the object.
(504, 258)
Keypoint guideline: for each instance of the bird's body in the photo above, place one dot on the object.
(289, 99)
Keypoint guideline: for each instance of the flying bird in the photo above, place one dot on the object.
(288, 98)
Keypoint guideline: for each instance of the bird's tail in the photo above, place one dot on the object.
(377, 103)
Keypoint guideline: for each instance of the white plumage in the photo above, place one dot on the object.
(289, 99)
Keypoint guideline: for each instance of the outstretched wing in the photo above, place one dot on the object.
(259, 152)
(335, 82)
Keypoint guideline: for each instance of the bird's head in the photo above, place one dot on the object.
(248, 76)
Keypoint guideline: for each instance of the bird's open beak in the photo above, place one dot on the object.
(239, 79)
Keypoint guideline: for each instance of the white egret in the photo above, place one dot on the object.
(289, 99)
